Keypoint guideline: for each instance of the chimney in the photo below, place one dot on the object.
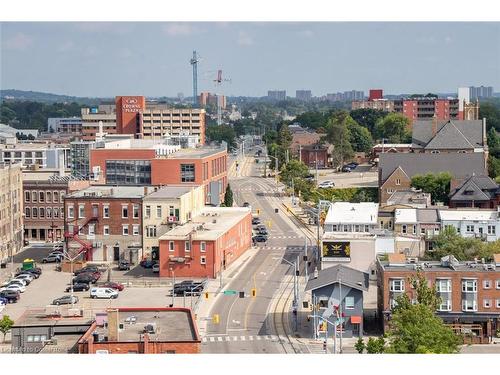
(113, 317)
(434, 125)
(484, 131)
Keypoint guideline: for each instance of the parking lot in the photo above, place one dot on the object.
(362, 176)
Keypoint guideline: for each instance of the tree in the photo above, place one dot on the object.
(5, 325)
(360, 346)
(337, 134)
(393, 127)
(491, 111)
(359, 137)
(228, 197)
(437, 184)
(368, 117)
(493, 167)
(222, 133)
(375, 346)
(312, 119)
(414, 328)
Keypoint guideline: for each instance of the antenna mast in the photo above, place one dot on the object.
(194, 63)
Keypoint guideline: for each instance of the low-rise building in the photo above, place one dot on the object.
(472, 223)
(469, 292)
(165, 208)
(36, 155)
(422, 224)
(346, 217)
(141, 330)
(65, 125)
(475, 191)
(207, 244)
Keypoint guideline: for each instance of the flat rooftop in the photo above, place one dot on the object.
(111, 192)
(38, 318)
(203, 227)
(171, 192)
(170, 325)
(473, 214)
(355, 213)
(402, 263)
(194, 153)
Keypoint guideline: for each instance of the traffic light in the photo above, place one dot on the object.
(242, 294)
(304, 258)
(206, 295)
(297, 273)
(215, 319)
(254, 292)
(324, 345)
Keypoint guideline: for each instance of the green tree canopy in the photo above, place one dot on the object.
(294, 169)
(222, 133)
(359, 137)
(5, 325)
(437, 184)
(368, 117)
(393, 127)
(228, 197)
(337, 134)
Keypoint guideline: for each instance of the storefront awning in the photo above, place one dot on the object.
(355, 319)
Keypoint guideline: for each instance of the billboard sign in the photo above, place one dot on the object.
(336, 251)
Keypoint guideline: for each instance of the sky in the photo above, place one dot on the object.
(152, 58)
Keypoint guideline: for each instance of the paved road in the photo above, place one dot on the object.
(247, 325)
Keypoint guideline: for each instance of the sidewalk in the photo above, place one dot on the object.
(202, 310)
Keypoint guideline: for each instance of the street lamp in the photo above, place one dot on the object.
(71, 260)
(295, 286)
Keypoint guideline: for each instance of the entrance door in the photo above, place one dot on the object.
(42, 234)
(116, 253)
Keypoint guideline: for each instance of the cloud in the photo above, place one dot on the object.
(179, 29)
(18, 42)
(244, 39)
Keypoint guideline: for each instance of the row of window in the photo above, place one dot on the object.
(187, 246)
(43, 212)
(172, 212)
(105, 211)
(350, 228)
(348, 303)
(444, 285)
(43, 196)
(106, 230)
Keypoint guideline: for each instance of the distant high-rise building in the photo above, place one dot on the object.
(276, 94)
(376, 94)
(480, 92)
(304, 95)
(207, 98)
(345, 96)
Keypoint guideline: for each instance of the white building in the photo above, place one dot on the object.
(65, 125)
(352, 217)
(482, 224)
(35, 155)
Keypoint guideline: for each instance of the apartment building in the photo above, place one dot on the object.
(166, 208)
(11, 210)
(303, 95)
(105, 222)
(206, 245)
(475, 191)
(422, 224)
(92, 117)
(207, 98)
(472, 223)
(276, 95)
(469, 291)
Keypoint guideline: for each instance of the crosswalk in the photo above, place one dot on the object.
(285, 237)
(231, 338)
(289, 248)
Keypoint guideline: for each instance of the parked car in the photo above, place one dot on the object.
(16, 287)
(26, 277)
(34, 275)
(83, 278)
(4, 300)
(94, 276)
(255, 221)
(246, 204)
(86, 269)
(65, 300)
(103, 293)
(260, 227)
(259, 238)
(156, 268)
(326, 184)
(352, 165)
(78, 287)
(262, 231)
(19, 281)
(112, 285)
(10, 295)
(188, 288)
(52, 259)
(147, 263)
(34, 271)
(124, 265)
(57, 253)
(347, 169)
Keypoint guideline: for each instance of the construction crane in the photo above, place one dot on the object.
(218, 82)
(194, 62)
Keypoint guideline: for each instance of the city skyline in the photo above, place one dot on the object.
(409, 57)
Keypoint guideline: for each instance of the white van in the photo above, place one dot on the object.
(103, 293)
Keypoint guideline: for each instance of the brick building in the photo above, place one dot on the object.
(106, 222)
(316, 155)
(137, 162)
(206, 245)
(141, 330)
(469, 291)
(476, 191)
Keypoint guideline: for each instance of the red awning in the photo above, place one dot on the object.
(355, 319)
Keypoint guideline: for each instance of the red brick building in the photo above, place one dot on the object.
(142, 330)
(128, 114)
(469, 291)
(205, 246)
(315, 155)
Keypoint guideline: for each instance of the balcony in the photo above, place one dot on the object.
(170, 220)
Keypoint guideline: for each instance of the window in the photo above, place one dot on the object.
(105, 211)
(48, 212)
(498, 284)
(203, 260)
(404, 229)
(124, 211)
(349, 303)
(91, 229)
(469, 286)
(41, 197)
(390, 191)
(55, 212)
(469, 305)
(203, 246)
(27, 212)
(187, 172)
(397, 285)
(49, 196)
(486, 284)
(71, 212)
(443, 285)
(135, 230)
(34, 196)
(187, 246)
(151, 231)
(392, 303)
(34, 212)
(56, 196)
(27, 196)
(398, 181)
(498, 303)
(81, 211)
(171, 246)
(334, 228)
(148, 212)
(491, 229)
(135, 211)
(158, 212)
(367, 228)
(445, 305)
(105, 230)
(486, 303)
(470, 229)
(41, 212)
(171, 211)
(125, 230)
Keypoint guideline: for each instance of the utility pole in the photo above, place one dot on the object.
(194, 62)
(340, 313)
(276, 165)
(173, 288)
(305, 256)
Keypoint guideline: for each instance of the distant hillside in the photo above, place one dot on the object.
(44, 97)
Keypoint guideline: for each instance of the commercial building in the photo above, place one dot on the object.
(165, 208)
(152, 330)
(303, 95)
(337, 293)
(207, 244)
(91, 117)
(11, 210)
(105, 222)
(469, 292)
(316, 155)
(142, 162)
(65, 125)
(376, 94)
(276, 95)
(36, 155)
(80, 158)
(420, 224)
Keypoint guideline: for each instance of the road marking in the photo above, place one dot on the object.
(258, 338)
(235, 338)
(242, 338)
(250, 338)
(212, 339)
(268, 337)
(204, 339)
(228, 338)
(219, 338)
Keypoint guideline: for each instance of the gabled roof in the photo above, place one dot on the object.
(460, 165)
(471, 130)
(477, 188)
(449, 137)
(339, 273)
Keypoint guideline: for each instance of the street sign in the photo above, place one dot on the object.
(230, 292)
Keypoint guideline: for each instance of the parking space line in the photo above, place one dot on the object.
(242, 338)
(219, 338)
(212, 339)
